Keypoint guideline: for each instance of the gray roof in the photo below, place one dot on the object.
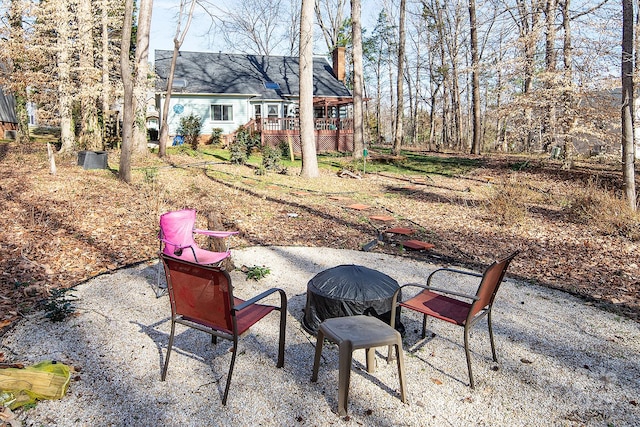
(7, 108)
(223, 73)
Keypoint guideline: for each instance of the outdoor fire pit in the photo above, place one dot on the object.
(349, 290)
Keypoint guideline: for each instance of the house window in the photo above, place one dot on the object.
(257, 111)
(222, 113)
(271, 85)
(272, 111)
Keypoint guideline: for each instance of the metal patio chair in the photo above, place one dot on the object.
(202, 298)
(455, 307)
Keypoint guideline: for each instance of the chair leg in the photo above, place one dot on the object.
(283, 327)
(403, 382)
(371, 359)
(316, 359)
(493, 345)
(424, 326)
(233, 361)
(344, 375)
(157, 290)
(468, 354)
(166, 359)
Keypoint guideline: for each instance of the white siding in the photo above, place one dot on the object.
(201, 106)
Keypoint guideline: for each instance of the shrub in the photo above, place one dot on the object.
(216, 137)
(593, 206)
(189, 128)
(283, 146)
(506, 204)
(271, 159)
(238, 148)
(243, 144)
(257, 272)
(238, 151)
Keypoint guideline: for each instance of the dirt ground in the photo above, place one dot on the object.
(59, 230)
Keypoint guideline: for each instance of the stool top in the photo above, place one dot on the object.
(361, 331)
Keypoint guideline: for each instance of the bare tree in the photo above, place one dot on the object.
(628, 167)
(358, 119)
(177, 42)
(128, 111)
(90, 133)
(253, 26)
(13, 55)
(141, 79)
(105, 55)
(293, 28)
(476, 144)
(65, 97)
(307, 135)
(330, 18)
(397, 142)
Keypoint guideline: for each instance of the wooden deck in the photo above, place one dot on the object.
(331, 134)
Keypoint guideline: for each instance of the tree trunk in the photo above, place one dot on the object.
(568, 98)
(217, 244)
(128, 107)
(141, 82)
(16, 34)
(177, 42)
(64, 78)
(358, 119)
(628, 155)
(551, 78)
(397, 142)
(307, 133)
(90, 135)
(106, 56)
(476, 144)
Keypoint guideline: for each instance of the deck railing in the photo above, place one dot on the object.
(331, 134)
(287, 125)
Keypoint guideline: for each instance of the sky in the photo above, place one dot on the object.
(163, 27)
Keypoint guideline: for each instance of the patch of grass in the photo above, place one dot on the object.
(183, 149)
(412, 163)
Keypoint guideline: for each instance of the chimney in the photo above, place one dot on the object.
(338, 63)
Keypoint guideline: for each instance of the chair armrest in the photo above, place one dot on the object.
(440, 290)
(247, 303)
(453, 270)
(167, 242)
(219, 234)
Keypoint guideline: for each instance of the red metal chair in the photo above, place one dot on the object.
(177, 229)
(202, 298)
(454, 307)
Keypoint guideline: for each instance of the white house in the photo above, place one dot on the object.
(231, 90)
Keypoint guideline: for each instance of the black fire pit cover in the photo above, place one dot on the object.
(348, 290)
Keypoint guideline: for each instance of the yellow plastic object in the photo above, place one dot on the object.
(45, 380)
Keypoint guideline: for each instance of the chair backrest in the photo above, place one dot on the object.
(201, 294)
(491, 280)
(177, 227)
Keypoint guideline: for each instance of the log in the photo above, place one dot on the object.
(216, 244)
